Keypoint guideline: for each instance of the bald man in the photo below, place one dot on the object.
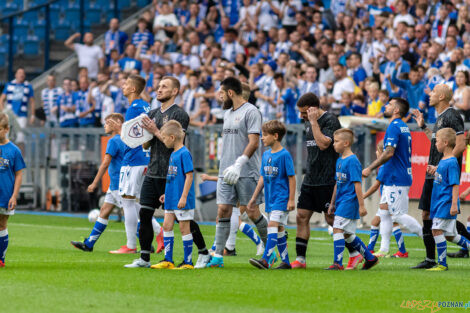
(439, 98)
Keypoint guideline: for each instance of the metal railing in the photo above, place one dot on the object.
(48, 152)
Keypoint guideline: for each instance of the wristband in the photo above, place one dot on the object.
(424, 126)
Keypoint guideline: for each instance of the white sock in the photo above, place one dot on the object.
(232, 238)
(385, 230)
(130, 222)
(410, 223)
(156, 227)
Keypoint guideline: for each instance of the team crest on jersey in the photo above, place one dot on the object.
(439, 124)
(136, 131)
(165, 119)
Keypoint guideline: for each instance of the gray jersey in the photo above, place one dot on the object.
(238, 125)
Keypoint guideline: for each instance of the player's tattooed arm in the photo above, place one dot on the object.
(387, 155)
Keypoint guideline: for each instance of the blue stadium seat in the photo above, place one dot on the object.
(143, 3)
(122, 4)
(75, 25)
(31, 16)
(3, 58)
(4, 40)
(104, 4)
(8, 8)
(72, 14)
(21, 29)
(39, 28)
(55, 15)
(18, 3)
(31, 46)
(62, 31)
(93, 14)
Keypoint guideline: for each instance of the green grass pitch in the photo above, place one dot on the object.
(45, 273)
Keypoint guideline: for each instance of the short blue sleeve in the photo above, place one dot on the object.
(392, 136)
(187, 161)
(263, 162)
(122, 62)
(289, 164)
(5, 89)
(355, 171)
(453, 174)
(18, 161)
(111, 148)
(382, 67)
(31, 91)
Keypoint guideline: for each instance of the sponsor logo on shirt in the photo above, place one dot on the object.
(4, 163)
(272, 171)
(438, 178)
(230, 131)
(404, 130)
(311, 143)
(341, 177)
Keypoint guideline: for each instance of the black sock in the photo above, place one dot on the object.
(350, 248)
(462, 230)
(301, 246)
(428, 239)
(198, 239)
(145, 233)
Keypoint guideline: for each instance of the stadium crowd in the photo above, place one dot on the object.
(354, 55)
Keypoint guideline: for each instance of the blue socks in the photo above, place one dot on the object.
(271, 243)
(3, 244)
(468, 230)
(248, 230)
(441, 246)
(98, 229)
(374, 235)
(462, 241)
(188, 248)
(282, 246)
(168, 240)
(338, 244)
(359, 246)
(399, 238)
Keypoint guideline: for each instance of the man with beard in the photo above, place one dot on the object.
(319, 180)
(153, 186)
(448, 117)
(396, 161)
(239, 164)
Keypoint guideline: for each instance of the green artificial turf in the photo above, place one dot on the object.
(44, 273)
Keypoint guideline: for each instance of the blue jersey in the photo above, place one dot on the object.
(80, 101)
(290, 108)
(136, 156)
(276, 169)
(181, 163)
(446, 176)
(397, 170)
(348, 171)
(11, 162)
(115, 148)
(17, 97)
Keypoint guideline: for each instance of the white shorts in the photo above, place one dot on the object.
(346, 224)
(131, 179)
(113, 197)
(4, 211)
(448, 226)
(279, 216)
(396, 197)
(22, 122)
(182, 215)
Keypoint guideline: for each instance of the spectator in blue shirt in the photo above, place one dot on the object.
(413, 86)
